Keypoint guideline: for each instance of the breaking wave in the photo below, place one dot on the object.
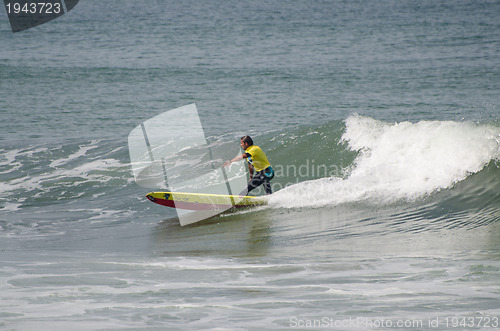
(399, 162)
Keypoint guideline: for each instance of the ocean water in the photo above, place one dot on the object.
(381, 119)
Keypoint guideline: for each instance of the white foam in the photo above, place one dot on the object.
(399, 161)
(91, 171)
(9, 206)
(9, 159)
(83, 149)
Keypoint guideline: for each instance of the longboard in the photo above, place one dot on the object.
(201, 201)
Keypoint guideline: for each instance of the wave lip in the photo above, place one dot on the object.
(400, 161)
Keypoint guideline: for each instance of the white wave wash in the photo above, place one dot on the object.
(90, 171)
(401, 161)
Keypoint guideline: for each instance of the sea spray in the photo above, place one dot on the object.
(399, 161)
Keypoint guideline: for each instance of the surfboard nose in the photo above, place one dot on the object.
(150, 197)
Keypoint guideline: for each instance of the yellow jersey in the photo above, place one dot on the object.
(257, 158)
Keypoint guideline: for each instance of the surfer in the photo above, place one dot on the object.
(260, 169)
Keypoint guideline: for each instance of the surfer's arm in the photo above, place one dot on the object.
(238, 158)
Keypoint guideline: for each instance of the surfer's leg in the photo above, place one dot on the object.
(267, 186)
(268, 174)
(255, 182)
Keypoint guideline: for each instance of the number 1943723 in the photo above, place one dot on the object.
(33, 8)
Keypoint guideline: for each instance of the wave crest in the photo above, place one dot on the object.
(399, 161)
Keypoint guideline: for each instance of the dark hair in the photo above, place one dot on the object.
(248, 140)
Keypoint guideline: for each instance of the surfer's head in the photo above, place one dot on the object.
(246, 142)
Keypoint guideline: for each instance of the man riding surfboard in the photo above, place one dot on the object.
(259, 166)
